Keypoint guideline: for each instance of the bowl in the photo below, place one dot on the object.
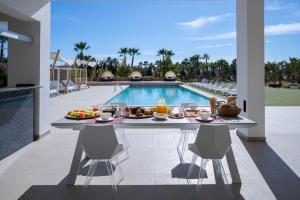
(204, 115)
(105, 115)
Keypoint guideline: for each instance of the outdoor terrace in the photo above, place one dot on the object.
(268, 170)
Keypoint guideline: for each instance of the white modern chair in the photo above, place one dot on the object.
(212, 143)
(100, 144)
(184, 137)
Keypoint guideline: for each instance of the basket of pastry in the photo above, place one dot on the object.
(138, 112)
(229, 109)
(85, 113)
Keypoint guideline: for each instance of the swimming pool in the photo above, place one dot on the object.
(149, 95)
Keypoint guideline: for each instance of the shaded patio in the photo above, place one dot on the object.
(268, 170)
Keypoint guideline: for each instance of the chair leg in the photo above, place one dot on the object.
(201, 173)
(178, 147)
(91, 172)
(185, 141)
(191, 167)
(224, 178)
(121, 172)
(110, 173)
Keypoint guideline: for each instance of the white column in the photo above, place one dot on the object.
(250, 65)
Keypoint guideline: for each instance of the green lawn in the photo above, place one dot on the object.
(278, 96)
(282, 97)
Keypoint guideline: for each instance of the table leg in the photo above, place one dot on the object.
(75, 162)
(235, 175)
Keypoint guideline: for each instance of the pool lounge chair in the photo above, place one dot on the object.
(54, 88)
(71, 86)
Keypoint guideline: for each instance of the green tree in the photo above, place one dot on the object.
(292, 69)
(133, 52)
(222, 69)
(166, 59)
(123, 53)
(271, 72)
(79, 48)
(195, 64)
(206, 57)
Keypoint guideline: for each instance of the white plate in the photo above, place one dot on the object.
(160, 117)
(210, 119)
(99, 119)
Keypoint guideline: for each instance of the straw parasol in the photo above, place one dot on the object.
(135, 76)
(170, 76)
(107, 76)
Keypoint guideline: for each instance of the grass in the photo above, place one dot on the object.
(282, 97)
(279, 96)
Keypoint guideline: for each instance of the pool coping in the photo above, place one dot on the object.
(202, 92)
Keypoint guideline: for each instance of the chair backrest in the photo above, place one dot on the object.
(99, 142)
(213, 141)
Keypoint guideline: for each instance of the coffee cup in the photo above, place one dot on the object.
(105, 115)
(204, 115)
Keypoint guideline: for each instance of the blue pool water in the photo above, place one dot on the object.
(149, 95)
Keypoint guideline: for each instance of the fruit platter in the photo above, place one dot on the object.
(138, 112)
(85, 113)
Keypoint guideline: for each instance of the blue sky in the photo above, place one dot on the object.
(187, 28)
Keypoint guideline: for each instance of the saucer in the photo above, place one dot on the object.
(210, 119)
(99, 119)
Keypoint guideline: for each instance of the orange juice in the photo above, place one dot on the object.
(161, 109)
(161, 106)
(213, 102)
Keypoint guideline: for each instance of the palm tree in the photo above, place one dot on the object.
(206, 57)
(166, 58)
(80, 48)
(123, 52)
(162, 52)
(292, 69)
(3, 40)
(194, 60)
(133, 52)
(89, 59)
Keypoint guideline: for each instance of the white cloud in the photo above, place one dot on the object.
(282, 29)
(273, 6)
(221, 36)
(277, 6)
(270, 30)
(215, 46)
(201, 21)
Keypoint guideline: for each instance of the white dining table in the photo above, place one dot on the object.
(183, 124)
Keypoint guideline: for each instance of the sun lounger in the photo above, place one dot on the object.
(71, 86)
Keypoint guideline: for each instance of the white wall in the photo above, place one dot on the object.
(29, 62)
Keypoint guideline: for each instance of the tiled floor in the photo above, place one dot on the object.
(268, 170)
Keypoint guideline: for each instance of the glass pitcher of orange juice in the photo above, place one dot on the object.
(161, 106)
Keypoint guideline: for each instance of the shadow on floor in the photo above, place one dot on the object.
(281, 179)
(128, 192)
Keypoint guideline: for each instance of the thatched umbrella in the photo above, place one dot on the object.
(170, 76)
(136, 76)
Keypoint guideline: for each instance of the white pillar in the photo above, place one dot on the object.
(250, 65)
